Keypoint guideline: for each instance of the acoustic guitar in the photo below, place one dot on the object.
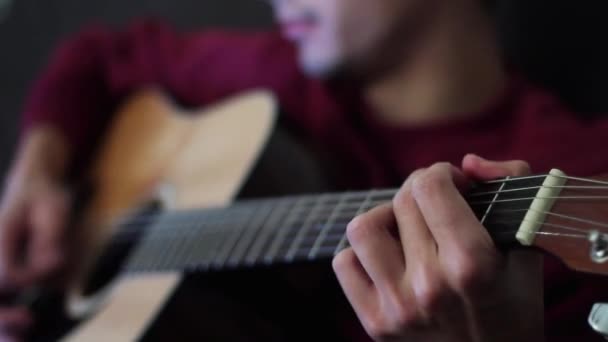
(131, 259)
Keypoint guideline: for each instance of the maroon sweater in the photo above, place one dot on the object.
(92, 73)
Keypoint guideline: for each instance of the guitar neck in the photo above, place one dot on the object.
(286, 230)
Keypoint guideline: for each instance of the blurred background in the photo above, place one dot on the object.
(561, 44)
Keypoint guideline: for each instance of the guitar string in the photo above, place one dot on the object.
(547, 224)
(569, 217)
(579, 187)
(140, 219)
(546, 233)
(177, 235)
(277, 259)
(181, 217)
(135, 224)
(341, 233)
(511, 180)
(133, 227)
(537, 197)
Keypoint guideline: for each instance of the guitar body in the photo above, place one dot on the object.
(156, 152)
(184, 160)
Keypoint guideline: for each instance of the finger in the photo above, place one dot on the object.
(436, 301)
(420, 250)
(416, 239)
(48, 222)
(480, 168)
(466, 249)
(356, 284)
(375, 247)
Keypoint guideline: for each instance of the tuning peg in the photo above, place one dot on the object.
(598, 319)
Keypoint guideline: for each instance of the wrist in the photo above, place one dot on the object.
(42, 155)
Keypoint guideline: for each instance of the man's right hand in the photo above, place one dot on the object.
(33, 218)
(34, 210)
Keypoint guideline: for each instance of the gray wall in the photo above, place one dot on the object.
(30, 30)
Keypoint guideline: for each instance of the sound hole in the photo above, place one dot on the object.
(113, 257)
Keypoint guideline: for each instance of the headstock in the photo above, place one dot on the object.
(575, 229)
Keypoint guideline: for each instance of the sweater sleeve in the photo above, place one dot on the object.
(79, 89)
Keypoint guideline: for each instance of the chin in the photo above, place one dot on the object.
(317, 66)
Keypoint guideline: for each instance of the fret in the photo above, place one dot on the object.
(233, 238)
(326, 252)
(196, 239)
(158, 239)
(139, 258)
(260, 216)
(272, 224)
(294, 228)
(309, 221)
(325, 229)
(504, 217)
(344, 241)
(205, 245)
(282, 232)
(176, 243)
(487, 212)
(196, 236)
(161, 245)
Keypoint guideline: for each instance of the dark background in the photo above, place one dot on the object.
(561, 44)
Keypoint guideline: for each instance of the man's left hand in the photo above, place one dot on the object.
(423, 268)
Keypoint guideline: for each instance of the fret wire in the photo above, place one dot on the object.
(173, 258)
(136, 221)
(348, 215)
(230, 231)
(325, 229)
(324, 214)
(164, 258)
(328, 209)
(249, 235)
(144, 253)
(222, 257)
(344, 240)
(218, 214)
(305, 227)
(483, 219)
(332, 238)
(271, 225)
(214, 243)
(197, 241)
(282, 233)
(179, 245)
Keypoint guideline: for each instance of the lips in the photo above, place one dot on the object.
(298, 28)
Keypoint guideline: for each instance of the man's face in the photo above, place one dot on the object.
(331, 34)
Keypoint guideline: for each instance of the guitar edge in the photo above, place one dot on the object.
(154, 150)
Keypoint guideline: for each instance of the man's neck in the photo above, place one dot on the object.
(454, 70)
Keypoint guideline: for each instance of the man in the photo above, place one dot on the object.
(387, 86)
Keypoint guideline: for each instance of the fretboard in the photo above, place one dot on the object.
(291, 229)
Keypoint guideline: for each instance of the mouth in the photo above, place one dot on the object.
(297, 28)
